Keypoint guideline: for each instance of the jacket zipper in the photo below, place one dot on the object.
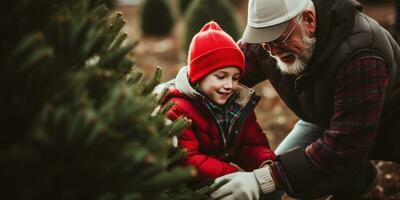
(244, 111)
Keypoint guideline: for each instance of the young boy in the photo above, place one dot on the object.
(224, 129)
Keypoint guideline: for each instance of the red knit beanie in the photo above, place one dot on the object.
(212, 49)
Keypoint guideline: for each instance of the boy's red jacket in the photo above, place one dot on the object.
(202, 140)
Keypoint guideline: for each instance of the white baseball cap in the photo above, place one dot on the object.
(267, 19)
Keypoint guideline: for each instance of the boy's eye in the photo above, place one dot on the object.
(219, 76)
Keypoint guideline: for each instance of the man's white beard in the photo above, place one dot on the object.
(299, 64)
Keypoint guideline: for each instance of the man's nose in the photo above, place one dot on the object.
(275, 50)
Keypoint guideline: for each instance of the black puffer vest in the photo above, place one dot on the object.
(342, 33)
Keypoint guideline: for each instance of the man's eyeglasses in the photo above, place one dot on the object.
(279, 42)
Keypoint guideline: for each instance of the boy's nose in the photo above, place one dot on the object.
(228, 84)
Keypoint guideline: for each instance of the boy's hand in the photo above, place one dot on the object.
(241, 185)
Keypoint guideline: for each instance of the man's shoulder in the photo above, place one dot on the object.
(363, 65)
(362, 59)
(366, 54)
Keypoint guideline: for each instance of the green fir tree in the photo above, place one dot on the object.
(202, 11)
(156, 18)
(183, 5)
(238, 3)
(78, 120)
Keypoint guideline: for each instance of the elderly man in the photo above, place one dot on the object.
(338, 71)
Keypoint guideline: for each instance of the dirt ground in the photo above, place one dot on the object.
(275, 118)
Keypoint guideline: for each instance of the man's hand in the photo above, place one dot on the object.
(242, 186)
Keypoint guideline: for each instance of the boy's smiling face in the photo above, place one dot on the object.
(219, 85)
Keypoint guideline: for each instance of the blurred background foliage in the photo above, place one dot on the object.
(156, 18)
(199, 12)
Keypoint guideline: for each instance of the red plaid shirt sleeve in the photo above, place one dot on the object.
(358, 101)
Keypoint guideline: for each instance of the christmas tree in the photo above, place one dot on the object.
(202, 11)
(183, 5)
(156, 18)
(78, 120)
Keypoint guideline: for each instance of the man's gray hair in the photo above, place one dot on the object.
(310, 6)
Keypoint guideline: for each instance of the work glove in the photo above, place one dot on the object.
(241, 186)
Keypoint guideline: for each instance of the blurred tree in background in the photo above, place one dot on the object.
(156, 18)
(238, 3)
(202, 11)
(77, 121)
(183, 5)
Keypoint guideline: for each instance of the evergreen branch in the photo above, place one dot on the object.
(116, 43)
(178, 126)
(167, 107)
(114, 57)
(148, 88)
(168, 179)
(178, 155)
(134, 77)
(38, 57)
(207, 190)
(24, 47)
(100, 11)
